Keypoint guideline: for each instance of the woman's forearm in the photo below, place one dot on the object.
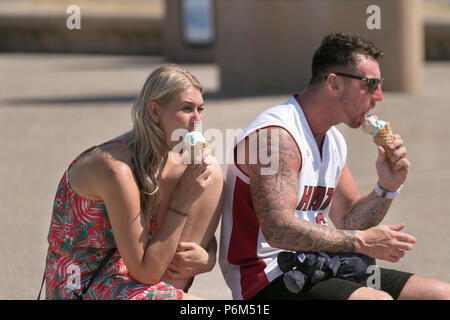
(162, 247)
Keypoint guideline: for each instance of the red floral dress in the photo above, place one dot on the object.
(79, 237)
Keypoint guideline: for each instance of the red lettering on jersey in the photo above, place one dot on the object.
(307, 192)
(327, 202)
(317, 198)
(313, 198)
(320, 219)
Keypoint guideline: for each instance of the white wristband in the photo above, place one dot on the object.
(386, 194)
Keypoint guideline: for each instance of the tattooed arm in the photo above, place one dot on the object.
(274, 198)
(351, 211)
(367, 212)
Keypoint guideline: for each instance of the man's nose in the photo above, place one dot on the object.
(378, 94)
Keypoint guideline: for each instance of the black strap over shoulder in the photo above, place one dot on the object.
(94, 275)
(42, 284)
(91, 280)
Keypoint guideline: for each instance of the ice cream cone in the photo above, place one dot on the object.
(200, 146)
(384, 138)
(195, 144)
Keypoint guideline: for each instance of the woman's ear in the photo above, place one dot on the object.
(154, 111)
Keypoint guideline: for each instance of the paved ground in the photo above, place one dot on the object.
(54, 106)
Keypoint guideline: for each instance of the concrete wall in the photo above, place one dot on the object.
(98, 35)
(133, 27)
(267, 45)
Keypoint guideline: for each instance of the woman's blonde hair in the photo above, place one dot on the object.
(147, 141)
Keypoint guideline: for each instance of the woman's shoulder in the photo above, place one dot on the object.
(104, 165)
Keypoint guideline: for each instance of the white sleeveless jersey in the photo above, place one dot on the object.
(247, 261)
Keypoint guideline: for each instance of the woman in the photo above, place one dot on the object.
(130, 193)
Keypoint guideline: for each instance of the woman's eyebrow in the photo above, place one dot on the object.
(191, 103)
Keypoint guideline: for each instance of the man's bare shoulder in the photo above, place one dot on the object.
(262, 148)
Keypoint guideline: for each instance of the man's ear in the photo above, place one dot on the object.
(154, 111)
(333, 83)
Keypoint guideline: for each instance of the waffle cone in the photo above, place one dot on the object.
(198, 145)
(384, 138)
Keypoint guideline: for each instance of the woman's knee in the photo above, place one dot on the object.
(205, 214)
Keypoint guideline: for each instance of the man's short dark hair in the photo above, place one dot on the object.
(341, 49)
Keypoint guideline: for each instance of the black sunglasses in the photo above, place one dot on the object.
(372, 83)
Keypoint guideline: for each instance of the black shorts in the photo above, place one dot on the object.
(391, 281)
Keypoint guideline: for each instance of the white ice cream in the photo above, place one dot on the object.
(372, 125)
(192, 138)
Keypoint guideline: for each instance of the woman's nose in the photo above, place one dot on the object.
(197, 116)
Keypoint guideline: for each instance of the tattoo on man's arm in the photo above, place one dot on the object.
(274, 198)
(368, 212)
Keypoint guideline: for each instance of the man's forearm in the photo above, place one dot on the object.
(368, 212)
(297, 234)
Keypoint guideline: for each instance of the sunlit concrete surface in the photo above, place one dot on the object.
(52, 107)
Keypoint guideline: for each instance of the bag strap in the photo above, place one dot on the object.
(94, 275)
(42, 284)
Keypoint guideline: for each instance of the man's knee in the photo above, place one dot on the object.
(369, 294)
(442, 291)
(421, 288)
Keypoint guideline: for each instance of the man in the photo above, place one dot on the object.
(269, 211)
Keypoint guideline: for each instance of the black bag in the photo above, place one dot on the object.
(94, 275)
(302, 267)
